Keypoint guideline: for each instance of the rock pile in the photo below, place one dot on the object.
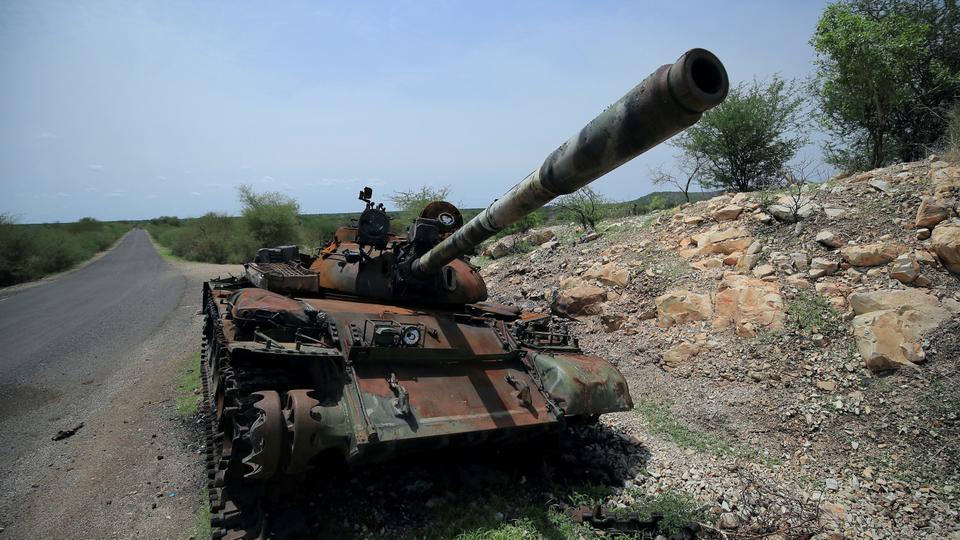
(806, 330)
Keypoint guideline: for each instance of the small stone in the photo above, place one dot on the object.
(820, 267)
(834, 510)
(729, 520)
(905, 269)
(763, 271)
(826, 386)
(832, 484)
(829, 239)
(923, 233)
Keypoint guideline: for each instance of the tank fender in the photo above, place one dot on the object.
(260, 304)
(583, 385)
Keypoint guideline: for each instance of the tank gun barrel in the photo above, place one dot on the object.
(668, 101)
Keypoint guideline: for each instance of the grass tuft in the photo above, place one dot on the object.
(202, 529)
(812, 313)
(188, 388)
(661, 421)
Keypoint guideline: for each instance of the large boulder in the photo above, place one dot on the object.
(679, 307)
(946, 243)
(931, 211)
(718, 241)
(748, 304)
(872, 254)
(502, 247)
(582, 299)
(889, 325)
(946, 181)
(537, 237)
(609, 274)
(509, 244)
(728, 213)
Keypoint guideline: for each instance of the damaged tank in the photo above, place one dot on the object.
(380, 344)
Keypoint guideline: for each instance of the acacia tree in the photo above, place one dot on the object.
(689, 167)
(272, 218)
(887, 73)
(585, 205)
(749, 137)
(412, 201)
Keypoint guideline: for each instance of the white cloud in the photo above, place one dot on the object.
(268, 179)
(48, 135)
(195, 194)
(115, 194)
(96, 168)
(61, 194)
(151, 196)
(161, 178)
(89, 188)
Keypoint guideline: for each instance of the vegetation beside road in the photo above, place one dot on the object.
(37, 250)
(271, 219)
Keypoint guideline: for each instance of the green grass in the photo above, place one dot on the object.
(812, 313)
(520, 516)
(202, 529)
(662, 422)
(164, 251)
(188, 386)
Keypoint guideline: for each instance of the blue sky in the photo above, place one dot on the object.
(131, 110)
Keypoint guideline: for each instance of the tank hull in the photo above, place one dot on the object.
(297, 384)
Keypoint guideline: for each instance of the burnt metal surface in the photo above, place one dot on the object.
(383, 345)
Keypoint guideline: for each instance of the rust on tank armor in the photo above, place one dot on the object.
(381, 344)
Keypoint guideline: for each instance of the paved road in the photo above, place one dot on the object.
(67, 348)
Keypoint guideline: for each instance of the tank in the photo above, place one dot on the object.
(381, 344)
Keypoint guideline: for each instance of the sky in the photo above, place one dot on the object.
(132, 110)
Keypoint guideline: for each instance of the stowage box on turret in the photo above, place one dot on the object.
(382, 344)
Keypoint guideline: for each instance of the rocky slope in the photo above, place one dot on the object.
(794, 357)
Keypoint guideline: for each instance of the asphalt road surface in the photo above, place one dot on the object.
(101, 346)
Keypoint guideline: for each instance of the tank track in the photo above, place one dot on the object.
(240, 507)
(229, 518)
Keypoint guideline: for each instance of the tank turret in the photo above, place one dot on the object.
(425, 266)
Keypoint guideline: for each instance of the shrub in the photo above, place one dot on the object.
(273, 219)
(38, 250)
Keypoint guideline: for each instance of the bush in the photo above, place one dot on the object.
(34, 251)
(584, 206)
(215, 238)
(887, 73)
(953, 134)
(273, 219)
(748, 138)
